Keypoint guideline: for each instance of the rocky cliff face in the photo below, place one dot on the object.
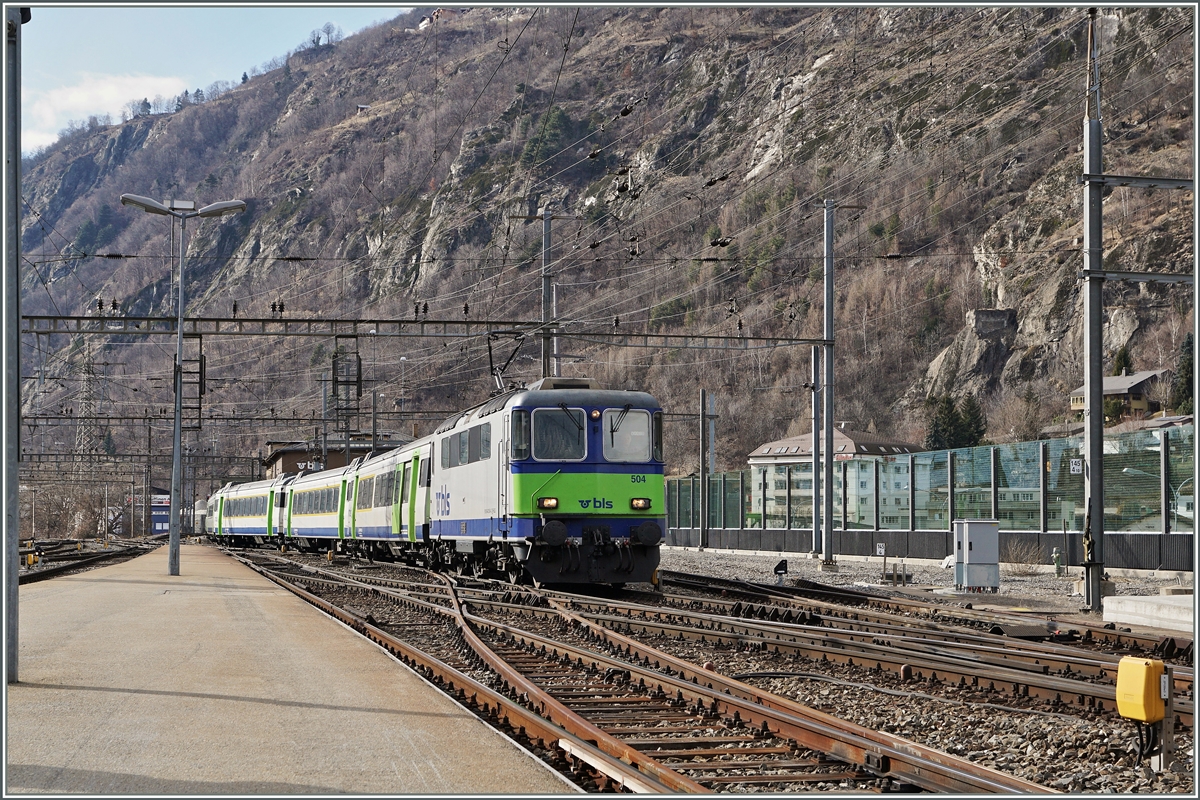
(686, 153)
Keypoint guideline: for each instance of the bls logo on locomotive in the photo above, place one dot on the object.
(595, 503)
(442, 500)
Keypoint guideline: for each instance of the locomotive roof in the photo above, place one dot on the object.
(584, 397)
(550, 398)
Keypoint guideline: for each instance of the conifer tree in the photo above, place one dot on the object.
(973, 422)
(1181, 387)
(1122, 362)
(944, 424)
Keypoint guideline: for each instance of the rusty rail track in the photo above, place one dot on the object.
(76, 563)
(838, 598)
(1039, 642)
(714, 728)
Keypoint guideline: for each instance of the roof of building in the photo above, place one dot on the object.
(845, 443)
(1123, 384)
(1153, 424)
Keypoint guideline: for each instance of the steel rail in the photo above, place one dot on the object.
(809, 589)
(984, 667)
(74, 564)
(815, 643)
(780, 595)
(567, 718)
(1003, 650)
(516, 681)
(498, 707)
(924, 663)
(880, 753)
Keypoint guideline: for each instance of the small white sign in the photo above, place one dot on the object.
(1076, 466)
(880, 549)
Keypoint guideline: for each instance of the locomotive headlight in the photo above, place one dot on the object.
(547, 502)
(640, 503)
(595, 413)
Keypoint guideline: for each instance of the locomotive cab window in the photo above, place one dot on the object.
(626, 435)
(520, 435)
(559, 434)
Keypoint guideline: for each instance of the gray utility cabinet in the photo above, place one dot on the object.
(977, 555)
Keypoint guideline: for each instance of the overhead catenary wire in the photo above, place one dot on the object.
(646, 272)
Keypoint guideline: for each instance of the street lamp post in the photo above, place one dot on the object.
(374, 394)
(1175, 511)
(182, 210)
(1175, 492)
(403, 360)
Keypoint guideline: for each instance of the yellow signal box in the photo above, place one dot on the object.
(1139, 689)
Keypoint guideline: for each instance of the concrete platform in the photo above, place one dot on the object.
(216, 681)
(1173, 613)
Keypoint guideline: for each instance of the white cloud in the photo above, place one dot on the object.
(45, 113)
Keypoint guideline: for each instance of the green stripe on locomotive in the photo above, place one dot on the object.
(588, 493)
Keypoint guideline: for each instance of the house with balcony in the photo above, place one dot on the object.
(1134, 391)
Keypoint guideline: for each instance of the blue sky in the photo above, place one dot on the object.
(92, 58)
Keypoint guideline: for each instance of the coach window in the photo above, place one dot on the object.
(446, 452)
(405, 484)
(464, 447)
(626, 435)
(425, 474)
(485, 441)
(520, 435)
(559, 434)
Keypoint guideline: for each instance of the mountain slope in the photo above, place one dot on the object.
(687, 152)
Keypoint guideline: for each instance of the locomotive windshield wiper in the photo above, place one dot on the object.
(615, 425)
(570, 416)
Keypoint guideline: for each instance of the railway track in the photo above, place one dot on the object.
(613, 711)
(70, 563)
(856, 605)
(916, 650)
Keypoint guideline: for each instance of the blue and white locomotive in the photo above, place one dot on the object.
(560, 482)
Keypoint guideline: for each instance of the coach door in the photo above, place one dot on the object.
(406, 503)
(503, 478)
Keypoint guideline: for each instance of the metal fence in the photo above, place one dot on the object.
(909, 502)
